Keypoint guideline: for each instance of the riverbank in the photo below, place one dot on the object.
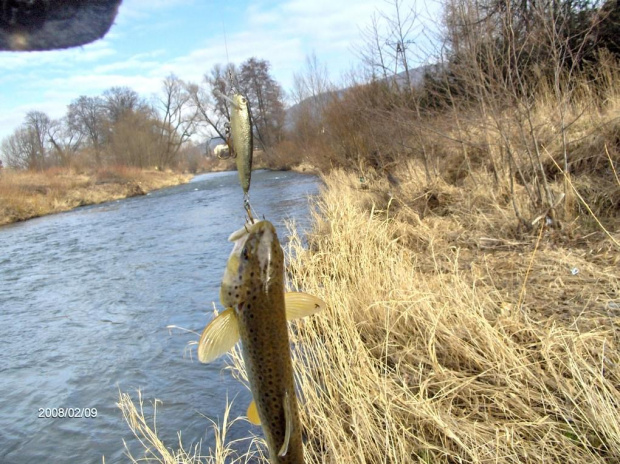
(280, 159)
(27, 194)
(450, 334)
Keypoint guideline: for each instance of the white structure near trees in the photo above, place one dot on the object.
(221, 150)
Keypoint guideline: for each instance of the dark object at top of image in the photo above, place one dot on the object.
(30, 25)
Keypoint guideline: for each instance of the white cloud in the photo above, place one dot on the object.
(139, 62)
(10, 61)
(132, 10)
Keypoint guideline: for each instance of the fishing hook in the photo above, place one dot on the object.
(248, 208)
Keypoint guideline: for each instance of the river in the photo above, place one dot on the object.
(85, 300)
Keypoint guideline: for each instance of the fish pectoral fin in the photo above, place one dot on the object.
(252, 413)
(219, 336)
(300, 304)
(288, 417)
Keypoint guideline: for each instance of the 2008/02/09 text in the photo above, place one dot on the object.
(67, 413)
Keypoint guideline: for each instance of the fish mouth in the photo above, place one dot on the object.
(253, 246)
(258, 243)
(263, 231)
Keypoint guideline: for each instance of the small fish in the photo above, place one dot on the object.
(241, 139)
(252, 290)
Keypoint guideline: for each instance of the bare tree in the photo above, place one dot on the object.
(389, 41)
(133, 140)
(504, 55)
(65, 142)
(211, 108)
(313, 81)
(312, 93)
(39, 125)
(178, 121)
(28, 146)
(119, 101)
(19, 151)
(265, 96)
(222, 81)
(87, 117)
(372, 52)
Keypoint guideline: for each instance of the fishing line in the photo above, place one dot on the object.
(231, 78)
(225, 43)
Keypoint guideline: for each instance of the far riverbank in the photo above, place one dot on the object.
(27, 194)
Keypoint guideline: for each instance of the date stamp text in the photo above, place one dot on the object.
(67, 413)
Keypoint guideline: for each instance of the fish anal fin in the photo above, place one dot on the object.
(299, 304)
(288, 417)
(219, 336)
(252, 413)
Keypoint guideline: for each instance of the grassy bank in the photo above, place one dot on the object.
(444, 343)
(449, 336)
(28, 194)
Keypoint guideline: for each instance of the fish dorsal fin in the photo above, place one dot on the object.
(252, 413)
(219, 336)
(288, 417)
(299, 304)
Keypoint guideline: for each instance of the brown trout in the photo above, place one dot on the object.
(241, 142)
(252, 290)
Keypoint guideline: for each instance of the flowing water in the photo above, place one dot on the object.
(85, 299)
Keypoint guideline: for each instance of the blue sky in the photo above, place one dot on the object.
(151, 39)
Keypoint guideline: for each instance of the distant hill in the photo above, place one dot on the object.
(313, 103)
(416, 76)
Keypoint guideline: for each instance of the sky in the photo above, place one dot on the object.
(151, 39)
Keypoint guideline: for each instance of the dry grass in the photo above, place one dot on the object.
(434, 350)
(450, 336)
(157, 452)
(28, 194)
